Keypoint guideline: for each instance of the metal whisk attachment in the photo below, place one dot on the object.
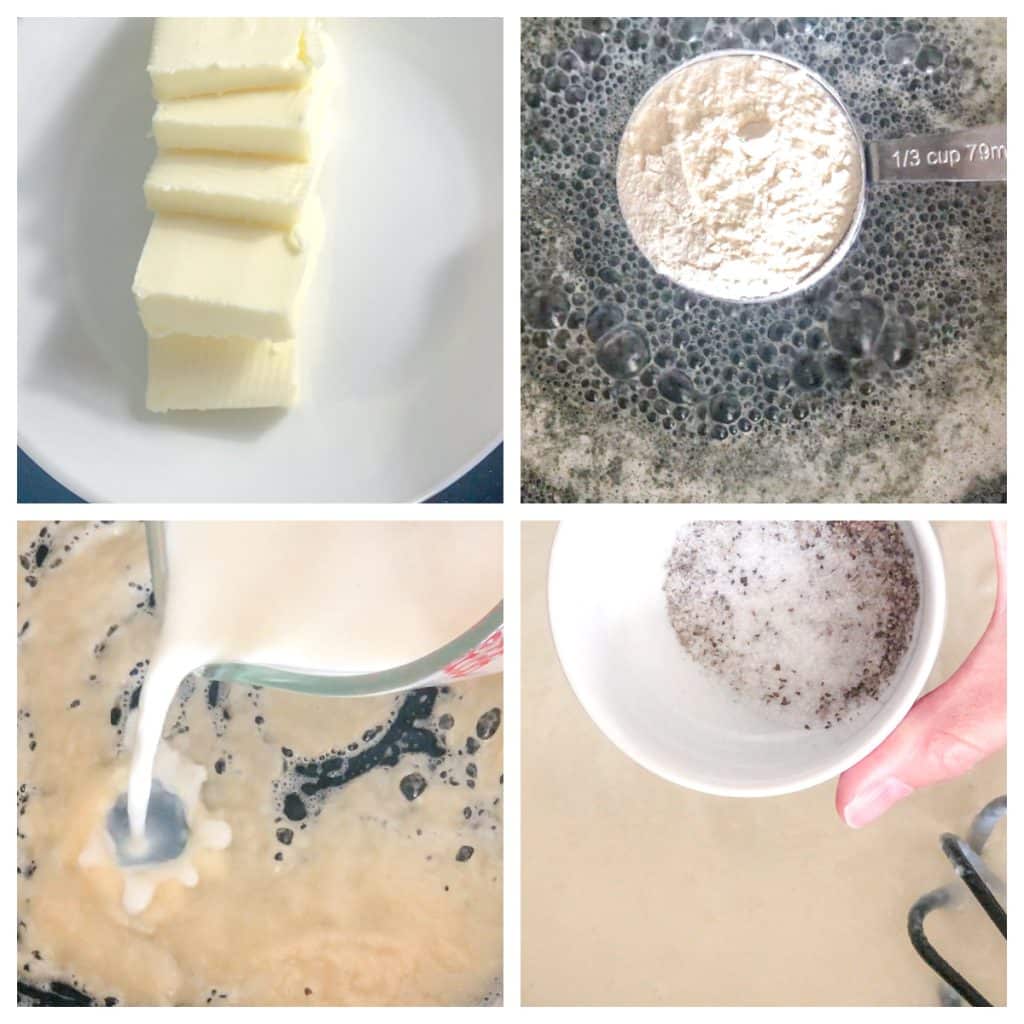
(965, 856)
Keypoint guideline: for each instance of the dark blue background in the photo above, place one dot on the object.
(483, 483)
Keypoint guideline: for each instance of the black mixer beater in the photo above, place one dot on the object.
(965, 856)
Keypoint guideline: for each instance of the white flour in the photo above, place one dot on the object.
(739, 176)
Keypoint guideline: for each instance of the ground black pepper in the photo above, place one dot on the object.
(810, 618)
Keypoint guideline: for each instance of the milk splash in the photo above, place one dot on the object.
(184, 779)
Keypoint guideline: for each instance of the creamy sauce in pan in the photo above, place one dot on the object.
(337, 888)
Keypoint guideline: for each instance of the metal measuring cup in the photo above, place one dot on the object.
(968, 154)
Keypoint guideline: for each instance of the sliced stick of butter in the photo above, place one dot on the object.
(202, 56)
(224, 279)
(220, 373)
(279, 123)
(263, 191)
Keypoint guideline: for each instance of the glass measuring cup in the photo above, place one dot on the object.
(970, 154)
(475, 652)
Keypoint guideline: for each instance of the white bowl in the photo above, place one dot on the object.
(401, 343)
(622, 658)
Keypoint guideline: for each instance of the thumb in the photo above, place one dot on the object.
(946, 733)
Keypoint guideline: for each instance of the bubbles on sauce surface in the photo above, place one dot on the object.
(606, 336)
(307, 781)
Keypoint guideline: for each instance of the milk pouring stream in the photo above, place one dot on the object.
(322, 597)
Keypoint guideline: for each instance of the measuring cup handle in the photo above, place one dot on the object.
(970, 154)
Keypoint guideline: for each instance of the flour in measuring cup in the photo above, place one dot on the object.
(739, 176)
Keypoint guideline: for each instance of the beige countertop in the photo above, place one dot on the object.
(636, 891)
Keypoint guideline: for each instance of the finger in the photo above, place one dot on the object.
(946, 733)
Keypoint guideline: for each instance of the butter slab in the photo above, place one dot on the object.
(277, 123)
(261, 191)
(203, 56)
(220, 373)
(223, 279)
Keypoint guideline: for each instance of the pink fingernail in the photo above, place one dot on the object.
(874, 802)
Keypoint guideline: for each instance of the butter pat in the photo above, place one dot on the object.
(223, 279)
(263, 191)
(219, 373)
(201, 56)
(277, 123)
